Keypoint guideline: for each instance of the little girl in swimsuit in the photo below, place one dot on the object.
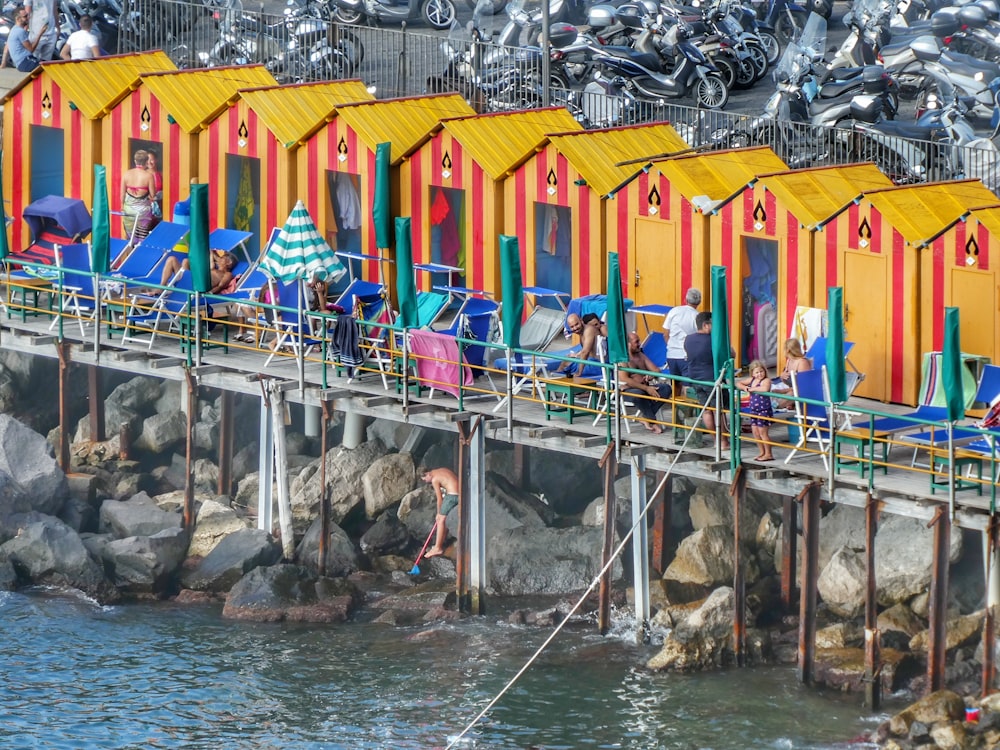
(758, 385)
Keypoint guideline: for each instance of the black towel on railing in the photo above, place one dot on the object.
(345, 343)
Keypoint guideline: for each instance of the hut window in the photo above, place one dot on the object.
(447, 222)
(554, 247)
(48, 162)
(343, 217)
(243, 197)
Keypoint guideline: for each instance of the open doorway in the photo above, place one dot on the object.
(758, 302)
(554, 247)
(343, 220)
(447, 224)
(154, 164)
(243, 198)
(48, 162)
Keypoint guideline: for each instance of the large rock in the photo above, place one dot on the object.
(214, 523)
(341, 555)
(904, 555)
(146, 565)
(544, 560)
(565, 481)
(50, 553)
(161, 432)
(344, 469)
(30, 478)
(233, 557)
(386, 481)
(138, 516)
(291, 592)
(842, 585)
(127, 404)
(703, 561)
(388, 535)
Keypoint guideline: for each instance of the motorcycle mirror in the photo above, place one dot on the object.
(782, 77)
(659, 18)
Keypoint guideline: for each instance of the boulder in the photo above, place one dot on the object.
(290, 593)
(344, 469)
(205, 474)
(341, 556)
(842, 583)
(214, 522)
(904, 555)
(593, 515)
(8, 577)
(567, 483)
(843, 668)
(386, 481)
(146, 565)
(30, 477)
(137, 516)
(386, 536)
(50, 553)
(712, 505)
(529, 560)
(703, 561)
(234, 556)
(161, 432)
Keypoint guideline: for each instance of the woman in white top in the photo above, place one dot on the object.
(82, 44)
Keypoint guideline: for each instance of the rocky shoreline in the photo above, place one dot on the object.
(112, 529)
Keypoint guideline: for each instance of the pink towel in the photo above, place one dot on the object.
(436, 357)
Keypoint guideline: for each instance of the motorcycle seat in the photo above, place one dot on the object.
(821, 105)
(969, 65)
(255, 26)
(895, 48)
(648, 60)
(845, 74)
(906, 129)
(838, 88)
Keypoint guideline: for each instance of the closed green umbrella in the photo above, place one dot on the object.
(835, 365)
(381, 208)
(198, 257)
(406, 291)
(721, 349)
(4, 244)
(951, 365)
(617, 348)
(511, 287)
(100, 237)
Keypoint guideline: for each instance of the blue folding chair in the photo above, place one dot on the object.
(811, 421)
(76, 294)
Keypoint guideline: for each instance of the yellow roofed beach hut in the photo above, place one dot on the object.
(773, 237)
(166, 114)
(338, 163)
(877, 243)
(557, 202)
(250, 151)
(452, 186)
(53, 121)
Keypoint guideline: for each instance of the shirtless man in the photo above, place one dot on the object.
(445, 485)
(587, 328)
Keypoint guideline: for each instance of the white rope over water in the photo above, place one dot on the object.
(597, 578)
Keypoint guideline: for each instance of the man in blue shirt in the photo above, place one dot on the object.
(701, 366)
(19, 47)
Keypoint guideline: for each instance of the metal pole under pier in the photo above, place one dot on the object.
(738, 491)
(990, 537)
(938, 614)
(662, 510)
(95, 394)
(65, 361)
(226, 437)
(789, 544)
(873, 648)
(265, 466)
(607, 463)
(810, 573)
(192, 412)
(477, 519)
(640, 547)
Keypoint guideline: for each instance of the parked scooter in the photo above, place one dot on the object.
(785, 17)
(438, 14)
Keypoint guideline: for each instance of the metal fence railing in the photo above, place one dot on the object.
(400, 62)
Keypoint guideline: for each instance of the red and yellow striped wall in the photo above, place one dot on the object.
(443, 162)
(663, 237)
(961, 268)
(549, 178)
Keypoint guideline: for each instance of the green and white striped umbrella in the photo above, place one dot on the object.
(300, 252)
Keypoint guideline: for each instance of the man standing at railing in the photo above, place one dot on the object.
(679, 323)
(701, 366)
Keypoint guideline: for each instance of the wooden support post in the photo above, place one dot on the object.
(65, 360)
(522, 467)
(662, 509)
(604, 591)
(939, 600)
(226, 443)
(789, 548)
(989, 634)
(192, 409)
(738, 491)
(324, 492)
(873, 646)
(810, 574)
(95, 394)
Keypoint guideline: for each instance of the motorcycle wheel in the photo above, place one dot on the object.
(758, 57)
(821, 7)
(710, 92)
(727, 69)
(352, 49)
(772, 47)
(350, 17)
(785, 29)
(439, 14)
(746, 74)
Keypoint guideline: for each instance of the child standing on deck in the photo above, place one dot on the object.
(758, 385)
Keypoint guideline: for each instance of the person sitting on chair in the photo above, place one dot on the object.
(643, 391)
(222, 270)
(588, 328)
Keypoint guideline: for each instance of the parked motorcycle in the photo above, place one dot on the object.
(438, 14)
(785, 17)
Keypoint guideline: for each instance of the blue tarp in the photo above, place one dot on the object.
(58, 215)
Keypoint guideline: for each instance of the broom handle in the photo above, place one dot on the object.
(428, 541)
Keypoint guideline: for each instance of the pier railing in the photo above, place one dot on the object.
(516, 386)
(401, 62)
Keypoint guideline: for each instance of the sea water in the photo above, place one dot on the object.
(163, 675)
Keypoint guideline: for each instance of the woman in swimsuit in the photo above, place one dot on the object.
(137, 191)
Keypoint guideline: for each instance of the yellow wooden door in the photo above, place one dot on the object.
(655, 269)
(975, 294)
(866, 322)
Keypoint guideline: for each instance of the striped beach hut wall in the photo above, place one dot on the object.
(960, 267)
(452, 186)
(872, 251)
(53, 121)
(337, 165)
(250, 151)
(661, 221)
(166, 114)
(774, 268)
(557, 202)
